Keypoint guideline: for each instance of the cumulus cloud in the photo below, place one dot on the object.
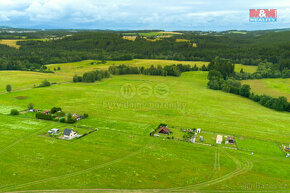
(132, 14)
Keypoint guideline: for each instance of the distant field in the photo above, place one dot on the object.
(182, 40)
(11, 43)
(246, 68)
(274, 87)
(132, 38)
(87, 65)
(23, 79)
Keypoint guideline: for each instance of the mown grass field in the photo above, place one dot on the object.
(274, 87)
(246, 68)
(121, 156)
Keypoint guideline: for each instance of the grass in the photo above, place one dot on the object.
(246, 68)
(24, 79)
(121, 154)
(274, 87)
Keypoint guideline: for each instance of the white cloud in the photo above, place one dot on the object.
(116, 14)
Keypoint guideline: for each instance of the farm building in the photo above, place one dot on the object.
(287, 149)
(219, 139)
(164, 130)
(198, 130)
(69, 134)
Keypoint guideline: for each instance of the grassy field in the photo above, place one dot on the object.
(121, 156)
(23, 80)
(246, 68)
(274, 87)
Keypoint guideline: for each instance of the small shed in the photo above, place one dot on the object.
(198, 130)
(201, 138)
(164, 130)
(219, 139)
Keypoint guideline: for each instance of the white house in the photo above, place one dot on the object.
(53, 131)
(219, 139)
(69, 134)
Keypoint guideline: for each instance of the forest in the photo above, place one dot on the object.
(250, 49)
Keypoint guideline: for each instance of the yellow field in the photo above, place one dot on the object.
(182, 40)
(131, 38)
(11, 43)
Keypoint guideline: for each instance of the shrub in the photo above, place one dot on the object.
(14, 112)
(8, 88)
(44, 83)
(55, 109)
(40, 115)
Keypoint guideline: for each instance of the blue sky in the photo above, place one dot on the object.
(140, 14)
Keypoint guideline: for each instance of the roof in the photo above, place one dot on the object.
(164, 129)
(67, 131)
(219, 137)
(46, 111)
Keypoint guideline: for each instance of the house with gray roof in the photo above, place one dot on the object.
(69, 134)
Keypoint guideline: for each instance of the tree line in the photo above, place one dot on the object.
(168, 70)
(92, 76)
(222, 77)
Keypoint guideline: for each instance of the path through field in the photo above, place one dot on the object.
(243, 166)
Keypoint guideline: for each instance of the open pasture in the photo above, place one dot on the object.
(122, 149)
(272, 86)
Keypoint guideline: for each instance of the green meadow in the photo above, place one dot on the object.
(121, 156)
(271, 86)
